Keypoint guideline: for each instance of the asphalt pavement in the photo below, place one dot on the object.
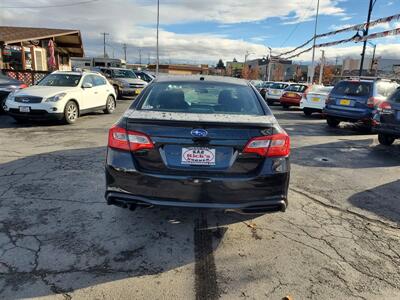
(338, 239)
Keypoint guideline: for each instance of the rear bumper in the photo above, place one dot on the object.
(387, 129)
(127, 186)
(127, 200)
(348, 115)
(289, 101)
(313, 106)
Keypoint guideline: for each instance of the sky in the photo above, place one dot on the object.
(203, 31)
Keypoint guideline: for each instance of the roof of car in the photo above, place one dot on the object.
(77, 72)
(201, 78)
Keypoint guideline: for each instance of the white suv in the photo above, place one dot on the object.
(62, 96)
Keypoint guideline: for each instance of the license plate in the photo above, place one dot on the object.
(315, 99)
(24, 109)
(344, 102)
(291, 94)
(198, 156)
(137, 91)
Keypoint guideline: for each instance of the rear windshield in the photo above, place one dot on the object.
(201, 97)
(353, 88)
(279, 86)
(395, 96)
(386, 88)
(296, 88)
(321, 89)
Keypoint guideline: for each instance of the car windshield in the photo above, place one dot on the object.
(196, 97)
(353, 88)
(296, 88)
(124, 74)
(279, 86)
(395, 96)
(60, 80)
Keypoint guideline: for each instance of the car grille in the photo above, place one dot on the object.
(136, 85)
(28, 99)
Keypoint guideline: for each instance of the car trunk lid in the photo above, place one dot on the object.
(198, 144)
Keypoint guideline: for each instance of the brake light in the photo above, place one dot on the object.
(122, 139)
(23, 86)
(372, 101)
(270, 146)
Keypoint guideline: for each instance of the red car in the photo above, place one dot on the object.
(293, 94)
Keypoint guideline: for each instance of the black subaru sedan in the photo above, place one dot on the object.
(200, 142)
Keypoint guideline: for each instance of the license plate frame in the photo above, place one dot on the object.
(345, 102)
(198, 156)
(25, 109)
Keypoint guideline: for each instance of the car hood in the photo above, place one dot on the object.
(132, 80)
(43, 91)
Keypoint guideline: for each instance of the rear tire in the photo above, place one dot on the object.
(385, 139)
(270, 102)
(285, 106)
(71, 112)
(19, 120)
(307, 111)
(110, 105)
(332, 122)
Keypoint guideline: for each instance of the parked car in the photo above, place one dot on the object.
(293, 94)
(7, 86)
(275, 91)
(355, 100)
(386, 120)
(62, 96)
(124, 81)
(315, 98)
(197, 141)
(262, 87)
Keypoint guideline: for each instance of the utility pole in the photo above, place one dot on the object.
(313, 51)
(373, 59)
(124, 47)
(158, 24)
(321, 68)
(104, 43)
(140, 56)
(365, 33)
(269, 63)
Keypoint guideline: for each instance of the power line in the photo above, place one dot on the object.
(52, 6)
(297, 25)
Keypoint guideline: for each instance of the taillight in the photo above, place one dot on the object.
(384, 106)
(328, 99)
(270, 146)
(122, 139)
(23, 86)
(372, 101)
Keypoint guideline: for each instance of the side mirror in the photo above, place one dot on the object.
(87, 85)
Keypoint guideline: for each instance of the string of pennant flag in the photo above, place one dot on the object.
(371, 36)
(357, 27)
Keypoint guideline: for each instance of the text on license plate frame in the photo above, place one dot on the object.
(25, 109)
(198, 156)
(345, 102)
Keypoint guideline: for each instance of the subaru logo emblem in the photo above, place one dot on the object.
(25, 100)
(199, 132)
